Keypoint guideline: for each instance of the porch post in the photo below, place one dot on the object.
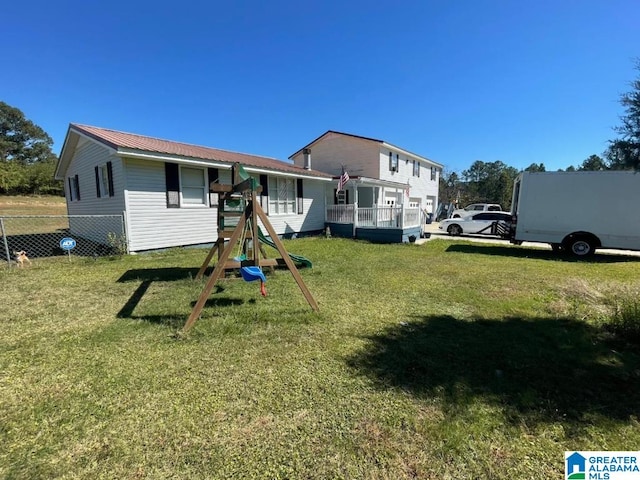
(355, 208)
(402, 215)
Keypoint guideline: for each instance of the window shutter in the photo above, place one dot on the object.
(97, 182)
(213, 176)
(300, 196)
(172, 181)
(70, 189)
(77, 185)
(391, 161)
(110, 179)
(264, 196)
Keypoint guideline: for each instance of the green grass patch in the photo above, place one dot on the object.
(445, 360)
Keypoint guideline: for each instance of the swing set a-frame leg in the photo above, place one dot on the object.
(218, 271)
(285, 256)
(217, 247)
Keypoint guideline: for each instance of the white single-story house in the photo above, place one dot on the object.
(162, 187)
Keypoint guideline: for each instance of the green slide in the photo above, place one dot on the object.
(299, 260)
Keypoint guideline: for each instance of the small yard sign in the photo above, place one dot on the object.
(67, 243)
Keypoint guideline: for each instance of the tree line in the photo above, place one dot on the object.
(27, 163)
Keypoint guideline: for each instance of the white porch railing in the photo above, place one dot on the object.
(339, 214)
(374, 217)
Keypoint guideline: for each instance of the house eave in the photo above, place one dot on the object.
(376, 182)
(143, 155)
(411, 154)
(69, 146)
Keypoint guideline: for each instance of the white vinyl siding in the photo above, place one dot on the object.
(314, 211)
(89, 155)
(150, 223)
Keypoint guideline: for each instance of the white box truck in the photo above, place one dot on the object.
(577, 212)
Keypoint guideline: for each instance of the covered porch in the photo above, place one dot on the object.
(375, 210)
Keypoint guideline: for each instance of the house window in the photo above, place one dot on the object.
(74, 188)
(433, 173)
(193, 186)
(416, 168)
(282, 196)
(393, 162)
(104, 180)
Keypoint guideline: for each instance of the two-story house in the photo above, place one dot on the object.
(390, 190)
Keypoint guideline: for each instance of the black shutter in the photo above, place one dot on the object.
(172, 181)
(391, 161)
(264, 196)
(110, 178)
(70, 190)
(300, 196)
(97, 182)
(214, 177)
(77, 185)
(264, 183)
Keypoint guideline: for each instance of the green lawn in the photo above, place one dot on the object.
(448, 360)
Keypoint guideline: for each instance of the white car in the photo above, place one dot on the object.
(476, 208)
(478, 223)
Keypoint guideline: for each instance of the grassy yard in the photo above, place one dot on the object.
(32, 205)
(448, 360)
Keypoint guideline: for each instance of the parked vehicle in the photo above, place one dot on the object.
(475, 208)
(577, 212)
(483, 223)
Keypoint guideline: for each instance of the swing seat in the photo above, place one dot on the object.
(249, 274)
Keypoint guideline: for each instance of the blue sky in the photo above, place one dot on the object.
(519, 81)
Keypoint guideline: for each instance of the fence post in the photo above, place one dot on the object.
(4, 241)
(125, 230)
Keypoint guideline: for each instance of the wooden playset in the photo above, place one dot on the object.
(238, 208)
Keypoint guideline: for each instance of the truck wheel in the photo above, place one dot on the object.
(454, 229)
(580, 246)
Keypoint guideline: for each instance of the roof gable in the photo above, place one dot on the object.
(368, 139)
(330, 132)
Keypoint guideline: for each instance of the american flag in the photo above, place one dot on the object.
(407, 190)
(344, 178)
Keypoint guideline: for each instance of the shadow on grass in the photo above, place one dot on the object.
(540, 254)
(146, 277)
(538, 369)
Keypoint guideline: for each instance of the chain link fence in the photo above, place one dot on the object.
(41, 236)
